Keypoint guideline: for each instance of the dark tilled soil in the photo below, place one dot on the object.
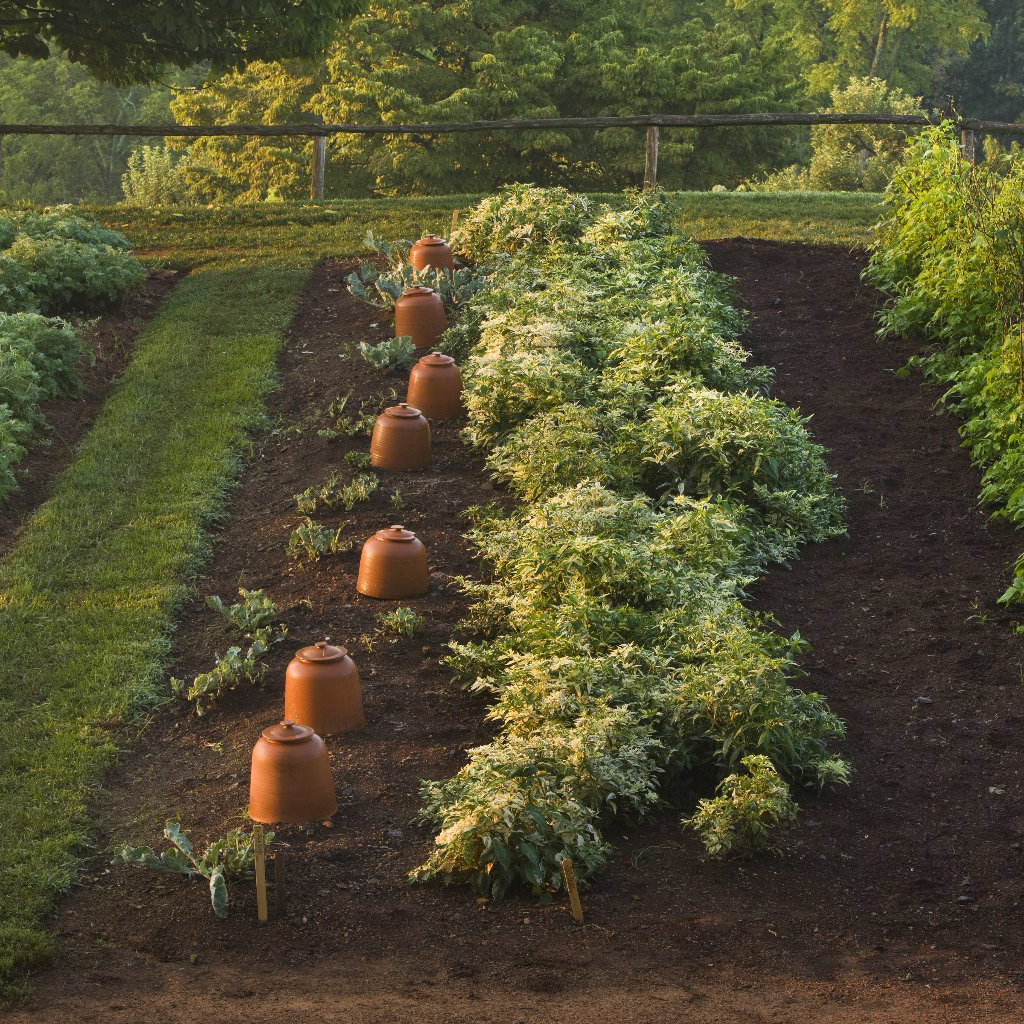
(112, 339)
(896, 900)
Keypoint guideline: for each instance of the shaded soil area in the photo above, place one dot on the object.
(898, 899)
(112, 339)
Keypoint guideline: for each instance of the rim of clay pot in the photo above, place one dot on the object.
(418, 289)
(396, 534)
(429, 238)
(287, 732)
(403, 411)
(320, 653)
(438, 359)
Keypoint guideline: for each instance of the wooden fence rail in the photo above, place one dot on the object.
(651, 122)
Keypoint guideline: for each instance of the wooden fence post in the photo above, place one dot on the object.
(316, 181)
(651, 158)
(968, 143)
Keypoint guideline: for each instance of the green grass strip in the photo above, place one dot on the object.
(187, 237)
(88, 595)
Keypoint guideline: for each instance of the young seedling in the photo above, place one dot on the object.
(230, 857)
(401, 622)
(310, 541)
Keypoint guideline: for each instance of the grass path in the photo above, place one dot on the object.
(87, 597)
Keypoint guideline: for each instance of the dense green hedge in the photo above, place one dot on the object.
(949, 254)
(607, 387)
(49, 261)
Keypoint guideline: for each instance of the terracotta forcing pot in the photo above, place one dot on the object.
(321, 690)
(419, 314)
(291, 777)
(435, 387)
(393, 564)
(401, 439)
(432, 252)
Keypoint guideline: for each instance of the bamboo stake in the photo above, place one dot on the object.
(260, 857)
(574, 894)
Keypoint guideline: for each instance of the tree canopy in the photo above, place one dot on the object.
(124, 41)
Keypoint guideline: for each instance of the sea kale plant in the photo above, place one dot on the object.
(256, 618)
(232, 856)
(949, 256)
(608, 390)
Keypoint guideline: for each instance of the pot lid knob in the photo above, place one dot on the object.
(418, 289)
(396, 533)
(321, 652)
(403, 411)
(287, 732)
(438, 359)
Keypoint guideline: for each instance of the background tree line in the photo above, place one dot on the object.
(427, 60)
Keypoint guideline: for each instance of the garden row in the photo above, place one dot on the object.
(949, 253)
(49, 262)
(607, 388)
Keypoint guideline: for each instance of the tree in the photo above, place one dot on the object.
(427, 60)
(60, 168)
(906, 43)
(125, 41)
(990, 82)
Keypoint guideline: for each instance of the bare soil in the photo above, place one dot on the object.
(898, 899)
(111, 336)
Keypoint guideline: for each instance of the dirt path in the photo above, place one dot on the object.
(897, 900)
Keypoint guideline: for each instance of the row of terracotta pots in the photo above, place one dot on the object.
(291, 781)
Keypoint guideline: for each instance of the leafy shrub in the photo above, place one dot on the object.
(748, 810)
(230, 857)
(38, 361)
(948, 255)
(854, 157)
(607, 388)
(154, 178)
(55, 260)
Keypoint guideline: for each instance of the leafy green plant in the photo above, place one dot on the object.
(747, 812)
(332, 494)
(239, 664)
(233, 856)
(254, 611)
(390, 355)
(949, 255)
(607, 388)
(310, 541)
(54, 260)
(358, 460)
(401, 622)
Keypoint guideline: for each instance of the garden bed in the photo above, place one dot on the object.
(112, 340)
(902, 891)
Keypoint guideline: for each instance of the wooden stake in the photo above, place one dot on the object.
(260, 857)
(316, 180)
(574, 894)
(651, 158)
(968, 142)
(280, 885)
